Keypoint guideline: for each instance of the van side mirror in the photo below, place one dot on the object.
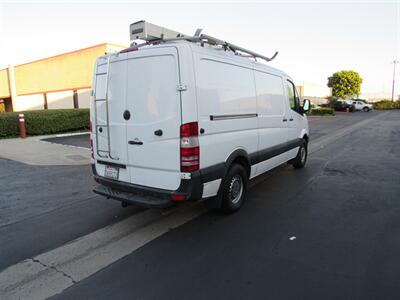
(306, 105)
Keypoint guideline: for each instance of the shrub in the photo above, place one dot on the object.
(45, 121)
(321, 111)
(387, 104)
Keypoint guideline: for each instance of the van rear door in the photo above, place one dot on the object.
(153, 100)
(109, 128)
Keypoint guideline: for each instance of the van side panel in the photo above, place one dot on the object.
(273, 130)
(227, 108)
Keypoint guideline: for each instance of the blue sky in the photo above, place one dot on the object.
(314, 38)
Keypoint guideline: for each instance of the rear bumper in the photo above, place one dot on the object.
(192, 189)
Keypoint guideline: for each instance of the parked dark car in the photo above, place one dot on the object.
(343, 105)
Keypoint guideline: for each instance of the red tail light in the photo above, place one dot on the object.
(178, 197)
(190, 149)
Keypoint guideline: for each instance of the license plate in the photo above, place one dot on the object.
(111, 172)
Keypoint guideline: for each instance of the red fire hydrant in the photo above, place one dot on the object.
(21, 122)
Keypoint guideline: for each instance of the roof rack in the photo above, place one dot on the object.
(153, 34)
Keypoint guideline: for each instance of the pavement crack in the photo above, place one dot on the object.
(55, 268)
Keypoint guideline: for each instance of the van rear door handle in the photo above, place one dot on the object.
(291, 119)
(158, 132)
(284, 120)
(135, 143)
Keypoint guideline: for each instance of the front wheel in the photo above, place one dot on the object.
(234, 189)
(300, 160)
(365, 109)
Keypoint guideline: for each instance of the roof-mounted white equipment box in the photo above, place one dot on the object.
(154, 34)
(143, 30)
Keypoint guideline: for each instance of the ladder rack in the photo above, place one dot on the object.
(105, 100)
(154, 34)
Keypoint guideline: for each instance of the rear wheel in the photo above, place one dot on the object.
(234, 189)
(300, 160)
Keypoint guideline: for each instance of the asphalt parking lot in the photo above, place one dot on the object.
(329, 231)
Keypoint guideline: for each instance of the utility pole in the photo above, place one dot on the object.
(394, 62)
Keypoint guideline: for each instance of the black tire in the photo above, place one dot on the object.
(300, 160)
(366, 109)
(234, 189)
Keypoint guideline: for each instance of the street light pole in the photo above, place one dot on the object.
(394, 75)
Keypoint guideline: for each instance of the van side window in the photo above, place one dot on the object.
(292, 102)
(294, 99)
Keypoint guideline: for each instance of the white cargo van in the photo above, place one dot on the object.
(186, 119)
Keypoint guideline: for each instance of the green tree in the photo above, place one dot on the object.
(345, 83)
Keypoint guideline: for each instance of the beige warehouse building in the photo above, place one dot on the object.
(318, 94)
(61, 81)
